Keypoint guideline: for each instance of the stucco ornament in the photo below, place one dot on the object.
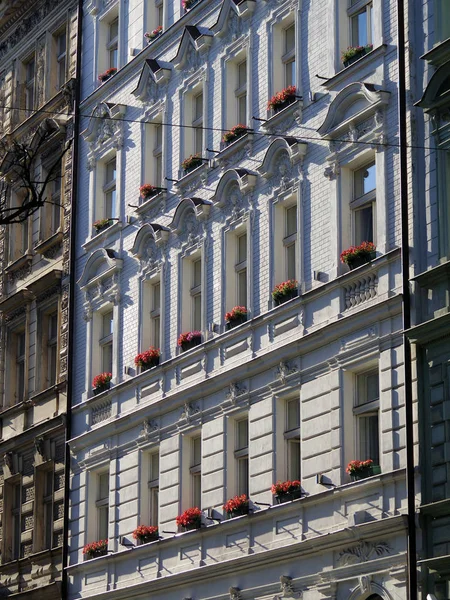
(236, 390)
(235, 593)
(363, 552)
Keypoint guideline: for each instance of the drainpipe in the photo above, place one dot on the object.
(409, 425)
(74, 192)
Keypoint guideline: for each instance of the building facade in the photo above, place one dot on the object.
(430, 332)
(38, 45)
(296, 390)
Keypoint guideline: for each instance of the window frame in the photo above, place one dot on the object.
(153, 489)
(353, 11)
(102, 503)
(362, 202)
(195, 471)
(367, 408)
(241, 457)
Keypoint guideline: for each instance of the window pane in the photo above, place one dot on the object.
(156, 332)
(111, 171)
(154, 503)
(107, 327)
(291, 220)
(293, 415)
(198, 106)
(365, 180)
(242, 248)
(197, 317)
(242, 109)
(197, 273)
(242, 74)
(107, 358)
(368, 438)
(364, 225)
(290, 260)
(289, 72)
(359, 29)
(102, 514)
(103, 486)
(196, 452)
(242, 434)
(113, 29)
(156, 296)
(243, 476)
(198, 140)
(154, 466)
(289, 39)
(368, 388)
(293, 459)
(158, 136)
(196, 489)
(20, 344)
(242, 288)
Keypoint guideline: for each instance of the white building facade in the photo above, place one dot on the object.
(298, 390)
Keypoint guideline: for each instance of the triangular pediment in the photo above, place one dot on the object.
(194, 38)
(437, 92)
(154, 73)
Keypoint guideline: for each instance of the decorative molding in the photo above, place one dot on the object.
(295, 150)
(363, 552)
(190, 410)
(100, 280)
(149, 428)
(105, 130)
(284, 370)
(235, 391)
(194, 41)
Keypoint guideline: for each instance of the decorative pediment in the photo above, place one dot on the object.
(105, 128)
(243, 8)
(294, 148)
(187, 214)
(437, 93)
(198, 38)
(101, 264)
(150, 236)
(48, 130)
(100, 280)
(246, 180)
(154, 73)
(352, 106)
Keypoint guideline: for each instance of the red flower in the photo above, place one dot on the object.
(358, 465)
(149, 357)
(282, 97)
(234, 133)
(188, 337)
(101, 380)
(236, 503)
(96, 547)
(285, 487)
(285, 288)
(107, 74)
(147, 190)
(354, 251)
(235, 313)
(189, 517)
(145, 531)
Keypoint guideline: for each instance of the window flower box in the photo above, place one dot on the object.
(234, 134)
(237, 506)
(285, 291)
(236, 316)
(354, 53)
(101, 224)
(361, 469)
(286, 491)
(189, 340)
(95, 549)
(356, 256)
(190, 519)
(282, 99)
(107, 74)
(148, 359)
(147, 191)
(145, 534)
(191, 162)
(101, 383)
(152, 35)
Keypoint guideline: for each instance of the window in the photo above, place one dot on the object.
(51, 211)
(113, 43)
(363, 204)
(196, 294)
(18, 235)
(50, 348)
(197, 122)
(442, 20)
(157, 154)
(288, 58)
(241, 269)
(106, 342)
(48, 508)
(155, 314)
(153, 488)
(102, 505)
(196, 471)
(109, 189)
(241, 92)
(361, 22)
(366, 411)
(155, 15)
(60, 41)
(241, 456)
(154, 153)
(20, 344)
(29, 67)
(290, 241)
(292, 438)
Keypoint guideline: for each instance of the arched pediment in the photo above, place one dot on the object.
(351, 106)
(101, 126)
(368, 590)
(294, 148)
(243, 9)
(100, 265)
(188, 207)
(148, 235)
(200, 38)
(46, 130)
(154, 72)
(245, 179)
(437, 92)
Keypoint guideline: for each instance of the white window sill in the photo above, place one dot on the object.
(352, 69)
(190, 178)
(232, 148)
(98, 240)
(291, 112)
